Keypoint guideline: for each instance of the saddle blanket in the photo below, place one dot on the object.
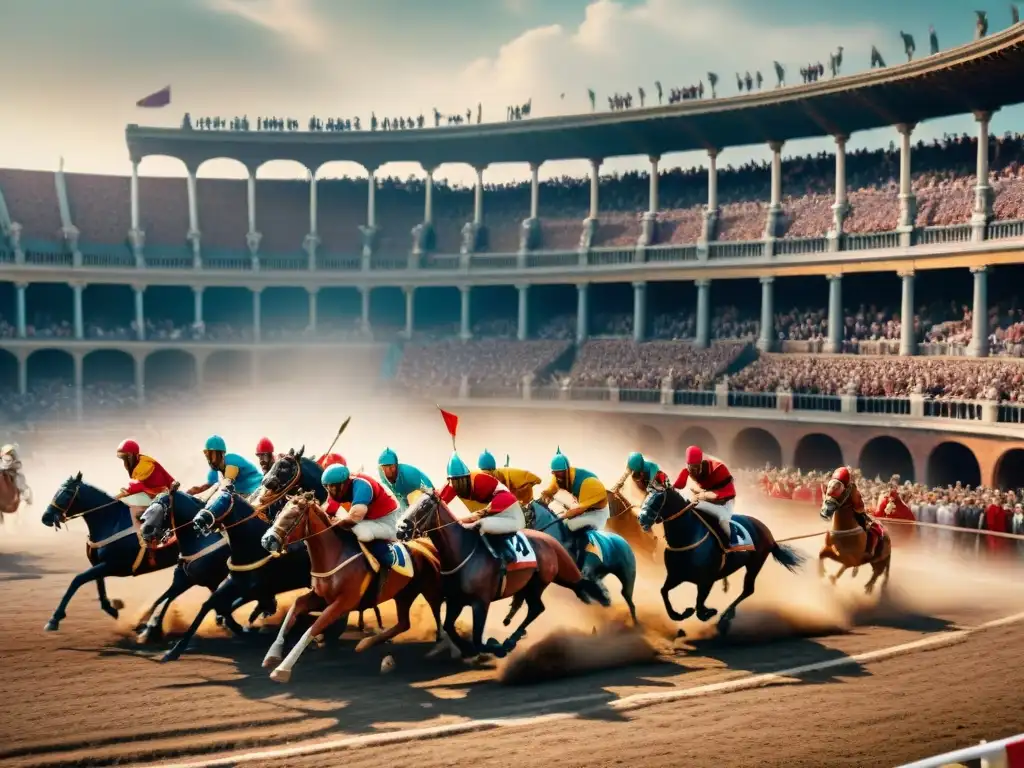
(401, 560)
(523, 549)
(740, 541)
(598, 545)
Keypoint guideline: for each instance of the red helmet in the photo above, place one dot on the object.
(839, 484)
(331, 458)
(128, 448)
(694, 455)
(264, 445)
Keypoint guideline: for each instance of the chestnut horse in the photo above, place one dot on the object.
(472, 575)
(341, 575)
(847, 544)
(625, 522)
(10, 496)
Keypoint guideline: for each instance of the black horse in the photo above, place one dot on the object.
(253, 575)
(204, 557)
(292, 473)
(114, 547)
(694, 553)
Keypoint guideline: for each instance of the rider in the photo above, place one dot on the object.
(519, 481)
(372, 513)
(707, 481)
(265, 454)
(641, 471)
(331, 458)
(404, 480)
(591, 511)
(146, 476)
(239, 470)
(842, 491)
(10, 462)
(493, 508)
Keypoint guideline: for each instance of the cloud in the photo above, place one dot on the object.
(295, 21)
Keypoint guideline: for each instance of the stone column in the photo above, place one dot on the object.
(22, 375)
(77, 313)
(590, 223)
(766, 341)
(473, 237)
(639, 310)
(423, 233)
(908, 336)
(841, 207)
(257, 319)
(834, 343)
(908, 202)
(364, 310)
(197, 304)
(140, 313)
(979, 326)
(529, 231)
(136, 236)
(649, 221)
(465, 321)
(140, 379)
(982, 191)
(253, 236)
(369, 232)
(410, 311)
(703, 339)
(193, 235)
(773, 224)
(313, 294)
(582, 313)
(312, 240)
(711, 212)
(523, 326)
(21, 311)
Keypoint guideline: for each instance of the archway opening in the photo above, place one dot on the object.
(884, 456)
(650, 442)
(952, 463)
(108, 378)
(51, 383)
(169, 370)
(8, 372)
(754, 448)
(700, 437)
(228, 367)
(1009, 474)
(817, 453)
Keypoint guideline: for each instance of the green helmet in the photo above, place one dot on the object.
(387, 457)
(215, 443)
(560, 462)
(457, 467)
(335, 474)
(635, 462)
(486, 462)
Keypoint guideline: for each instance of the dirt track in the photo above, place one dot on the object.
(85, 695)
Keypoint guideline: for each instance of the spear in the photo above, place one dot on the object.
(341, 429)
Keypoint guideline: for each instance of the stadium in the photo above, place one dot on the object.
(854, 309)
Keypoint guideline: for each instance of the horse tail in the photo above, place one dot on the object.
(787, 556)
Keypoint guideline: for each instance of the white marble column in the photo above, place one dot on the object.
(77, 312)
(410, 311)
(908, 203)
(371, 200)
(639, 310)
(834, 343)
(771, 227)
(197, 304)
(135, 196)
(465, 320)
(21, 309)
(703, 339)
(478, 198)
(710, 231)
(534, 190)
(257, 315)
(582, 313)
(523, 325)
(841, 207)
(979, 313)
(140, 311)
(982, 191)
(428, 197)
(766, 340)
(364, 310)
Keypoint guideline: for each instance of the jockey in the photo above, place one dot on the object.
(641, 471)
(265, 454)
(493, 507)
(146, 476)
(591, 511)
(708, 481)
(842, 491)
(10, 462)
(331, 458)
(519, 481)
(404, 480)
(239, 470)
(372, 513)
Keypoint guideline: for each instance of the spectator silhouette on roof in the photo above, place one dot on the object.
(933, 40)
(908, 45)
(981, 25)
(876, 58)
(780, 75)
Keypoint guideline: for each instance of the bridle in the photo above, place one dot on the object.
(658, 518)
(64, 513)
(218, 522)
(276, 496)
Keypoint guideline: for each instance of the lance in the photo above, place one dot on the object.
(341, 429)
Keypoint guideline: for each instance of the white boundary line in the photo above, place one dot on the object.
(625, 704)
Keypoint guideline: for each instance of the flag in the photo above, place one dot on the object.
(451, 423)
(160, 98)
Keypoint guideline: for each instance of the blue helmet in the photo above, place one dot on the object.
(334, 474)
(215, 443)
(486, 462)
(560, 463)
(457, 467)
(635, 462)
(387, 456)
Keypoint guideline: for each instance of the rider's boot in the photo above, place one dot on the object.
(725, 528)
(381, 550)
(501, 548)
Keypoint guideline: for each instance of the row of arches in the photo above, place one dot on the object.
(948, 463)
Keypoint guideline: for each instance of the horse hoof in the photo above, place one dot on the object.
(723, 627)
(363, 644)
(686, 614)
(169, 656)
(220, 620)
(116, 604)
(833, 579)
(111, 611)
(51, 626)
(869, 589)
(707, 613)
(281, 675)
(507, 621)
(270, 662)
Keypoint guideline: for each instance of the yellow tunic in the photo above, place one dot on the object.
(588, 491)
(519, 481)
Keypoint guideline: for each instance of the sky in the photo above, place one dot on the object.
(75, 69)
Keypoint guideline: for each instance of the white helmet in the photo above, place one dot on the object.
(10, 448)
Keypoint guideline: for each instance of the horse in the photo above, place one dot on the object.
(253, 575)
(10, 496)
(292, 473)
(608, 553)
(472, 574)
(623, 522)
(846, 543)
(695, 554)
(114, 547)
(342, 572)
(203, 559)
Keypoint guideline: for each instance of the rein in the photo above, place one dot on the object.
(64, 513)
(278, 495)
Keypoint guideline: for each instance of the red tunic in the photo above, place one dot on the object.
(714, 476)
(483, 489)
(148, 477)
(364, 490)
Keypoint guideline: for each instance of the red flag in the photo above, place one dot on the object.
(451, 422)
(159, 99)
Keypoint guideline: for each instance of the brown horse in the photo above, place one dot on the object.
(341, 574)
(10, 496)
(624, 521)
(846, 543)
(473, 576)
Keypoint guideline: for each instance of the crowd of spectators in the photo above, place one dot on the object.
(498, 363)
(648, 365)
(54, 399)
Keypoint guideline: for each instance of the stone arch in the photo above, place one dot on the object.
(228, 366)
(108, 366)
(1009, 471)
(283, 188)
(341, 205)
(883, 456)
(698, 436)
(9, 364)
(817, 453)
(950, 463)
(755, 447)
(48, 365)
(169, 369)
(650, 440)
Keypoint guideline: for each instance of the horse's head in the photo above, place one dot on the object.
(156, 518)
(284, 476)
(218, 510)
(654, 503)
(286, 524)
(63, 502)
(828, 508)
(418, 517)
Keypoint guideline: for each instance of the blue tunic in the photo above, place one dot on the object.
(408, 481)
(245, 475)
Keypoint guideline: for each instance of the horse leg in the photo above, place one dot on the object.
(300, 607)
(835, 577)
(513, 609)
(749, 580)
(110, 607)
(879, 567)
(92, 574)
(453, 608)
(534, 608)
(627, 578)
(153, 630)
(672, 581)
(480, 609)
(703, 590)
(403, 605)
(220, 600)
(333, 612)
(145, 619)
